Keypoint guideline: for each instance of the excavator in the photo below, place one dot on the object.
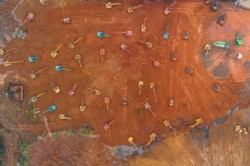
(74, 43)
(44, 2)
(198, 121)
(109, 5)
(66, 18)
(55, 52)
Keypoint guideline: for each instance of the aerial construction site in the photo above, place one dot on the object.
(126, 82)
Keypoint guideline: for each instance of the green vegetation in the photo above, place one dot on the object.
(29, 116)
(23, 156)
(70, 132)
(139, 112)
(55, 134)
(1, 144)
(1, 149)
(86, 130)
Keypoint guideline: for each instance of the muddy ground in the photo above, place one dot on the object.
(118, 75)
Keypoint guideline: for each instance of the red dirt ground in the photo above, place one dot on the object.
(118, 75)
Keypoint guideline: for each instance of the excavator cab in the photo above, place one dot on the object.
(66, 20)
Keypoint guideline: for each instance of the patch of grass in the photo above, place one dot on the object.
(70, 132)
(1, 144)
(29, 116)
(23, 156)
(55, 134)
(86, 130)
(139, 112)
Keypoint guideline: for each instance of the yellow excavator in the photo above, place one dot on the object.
(198, 121)
(44, 2)
(55, 52)
(74, 43)
(110, 5)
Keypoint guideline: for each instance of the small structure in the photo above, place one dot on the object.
(15, 92)
(20, 33)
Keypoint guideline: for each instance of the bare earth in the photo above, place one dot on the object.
(119, 74)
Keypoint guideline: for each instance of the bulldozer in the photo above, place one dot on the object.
(198, 121)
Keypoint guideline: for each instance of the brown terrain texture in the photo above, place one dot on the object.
(118, 76)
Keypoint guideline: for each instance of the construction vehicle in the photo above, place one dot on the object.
(54, 53)
(131, 140)
(152, 137)
(102, 34)
(44, 2)
(166, 34)
(234, 55)
(143, 26)
(29, 18)
(72, 90)
(1, 52)
(83, 106)
(74, 43)
(102, 53)
(108, 124)
(107, 101)
(149, 107)
(173, 56)
(167, 9)
(189, 70)
(127, 33)
(131, 9)
(140, 84)
(239, 40)
(222, 44)
(216, 87)
(33, 59)
(198, 121)
(36, 97)
(94, 91)
(155, 62)
(207, 48)
(222, 19)
(152, 86)
(109, 5)
(50, 109)
(66, 18)
(34, 74)
(146, 44)
(78, 58)
(185, 35)
(9, 63)
(61, 68)
(64, 117)
(56, 88)
(239, 130)
(124, 101)
(168, 124)
(170, 102)
(125, 47)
